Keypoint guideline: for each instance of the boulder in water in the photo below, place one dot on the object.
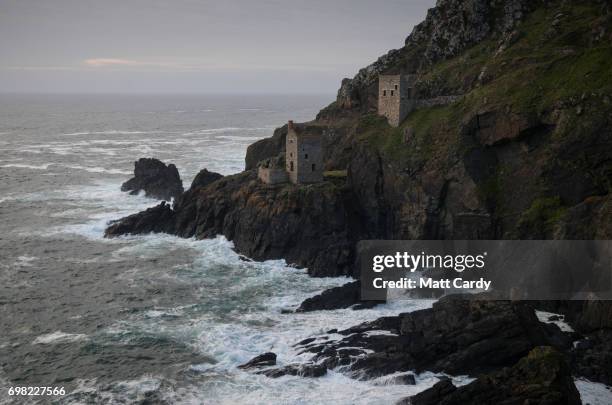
(263, 360)
(155, 178)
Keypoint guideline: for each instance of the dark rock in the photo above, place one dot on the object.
(155, 178)
(337, 297)
(592, 316)
(263, 360)
(583, 344)
(155, 219)
(310, 226)
(204, 178)
(449, 28)
(592, 358)
(266, 148)
(404, 379)
(542, 377)
(306, 341)
(365, 305)
(461, 334)
(302, 370)
(336, 146)
(590, 219)
(433, 395)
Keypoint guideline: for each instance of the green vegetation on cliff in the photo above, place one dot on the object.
(533, 128)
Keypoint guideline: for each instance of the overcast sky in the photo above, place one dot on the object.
(196, 46)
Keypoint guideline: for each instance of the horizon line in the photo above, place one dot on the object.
(160, 93)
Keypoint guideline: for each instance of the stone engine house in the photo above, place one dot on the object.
(395, 97)
(304, 154)
(302, 162)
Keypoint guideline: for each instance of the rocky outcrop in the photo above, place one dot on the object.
(453, 26)
(433, 395)
(263, 363)
(308, 370)
(311, 226)
(592, 357)
(449, 28)
(263, 360)
(358, 92)
(348, 295)
(154, 178)
(541, 377)
(461, 334)
(204, 178)
(266, 148)
(153, 220)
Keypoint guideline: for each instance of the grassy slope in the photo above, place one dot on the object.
(539, 72)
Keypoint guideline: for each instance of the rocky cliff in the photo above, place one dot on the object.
(311, 226)
(448, 29)
(154, 178)
(525, 152)
(541, 377)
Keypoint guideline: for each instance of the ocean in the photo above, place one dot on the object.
(151, 318)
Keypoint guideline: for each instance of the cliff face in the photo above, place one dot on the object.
(266, 148)
(524, 153)
(311, 226)
(448, 29)
(154, 178)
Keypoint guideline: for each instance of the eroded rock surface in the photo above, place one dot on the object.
(541, 377)
(348, 295)
(311, 226)
(154, 178)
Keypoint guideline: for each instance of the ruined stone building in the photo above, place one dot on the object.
(395, 98)
(304, 153)
(302, 162)
(272, 171)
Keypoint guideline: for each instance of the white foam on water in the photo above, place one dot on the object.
(59, 337)
(593, 393)
(110, 132)
(118, 392)
(225, 129)
(98, 169)
(239, 138)
(44, 166)
(99, 204)
(380, 333)
(242, 318)
(334, 388)
(103, 151)
(25, 261)
(544, 317)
